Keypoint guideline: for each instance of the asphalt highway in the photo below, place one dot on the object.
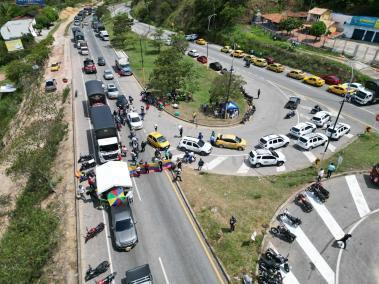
(168, 239)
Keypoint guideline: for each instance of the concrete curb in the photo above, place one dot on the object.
(218, 261)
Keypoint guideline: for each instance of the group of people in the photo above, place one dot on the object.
(329, 171)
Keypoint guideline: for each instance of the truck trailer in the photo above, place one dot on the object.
(122, 63)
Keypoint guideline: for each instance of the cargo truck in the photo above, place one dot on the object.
(122, 63)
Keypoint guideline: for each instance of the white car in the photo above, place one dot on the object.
(112, 91)
(195, 145)
(193, 53)
(274, 141)
(84, 50)
(264, 157)
(356, 86)
(340, 130)
(313, 140)
(134, 120)
(302, 128)
(108, 74)
(321, 117)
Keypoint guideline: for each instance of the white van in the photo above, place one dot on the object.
(104, 35)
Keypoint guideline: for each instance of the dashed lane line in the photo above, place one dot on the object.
(310, 156)
(356, 193)
(332, 148)
(215, 162)
(163, 270)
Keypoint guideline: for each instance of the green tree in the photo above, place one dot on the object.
(158, 39)
(318, 29)
(43, 20)
(290, 24)
(179, 42)
(172, 71)
(121, 23)
(226, 87)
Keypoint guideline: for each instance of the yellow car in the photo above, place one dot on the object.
(340, 90)
(201, 41)
(296, 74)
(230, 141)
(55, 67)
(237, 53)
(226, 49)
(276, 67)
(314, 81)
(261, 62)
(250, 58)
(158, 141)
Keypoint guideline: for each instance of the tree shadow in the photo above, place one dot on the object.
(225, 230)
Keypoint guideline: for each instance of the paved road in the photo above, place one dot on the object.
(167, 238)
(268, 119)
(353, 208)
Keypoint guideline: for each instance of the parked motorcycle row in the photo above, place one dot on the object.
(270, 265)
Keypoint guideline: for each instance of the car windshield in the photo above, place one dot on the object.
(200, 143)
(331, 130)
(316, 118)
(252, 155)
(124, 225)
(49, 83)
(121, 100)
(161, 139)
(112, 89)
(275, 154)
(238, 140)
(108, 72)
(360, 95)
(135, 119)
(294, 129)
(107, 148)
(303, 140)
(293, 99)
(263, 141)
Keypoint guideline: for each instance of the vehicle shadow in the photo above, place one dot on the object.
(369, 183)
(85, 108)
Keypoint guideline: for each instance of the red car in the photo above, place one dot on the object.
(331, 79)
(269, 59)
(202, 59)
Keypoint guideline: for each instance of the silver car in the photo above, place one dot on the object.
(123, 227)
(112, 91)
(108, 74)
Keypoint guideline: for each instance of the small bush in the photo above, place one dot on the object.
(66, 93)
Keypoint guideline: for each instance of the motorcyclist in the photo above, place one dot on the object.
(317, 108)
(247, 63)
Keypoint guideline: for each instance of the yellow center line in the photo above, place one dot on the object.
(185, 209)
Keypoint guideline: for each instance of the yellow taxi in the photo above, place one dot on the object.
(261, 62)
(230, 141)
(296, 74)
(250, 58)
(55, 66)
(276, 67)
(340, 90)
(314, 81)
(226, 49)
(201, 41)
(237, 53)
(157, 140)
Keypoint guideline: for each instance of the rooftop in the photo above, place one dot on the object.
(318, 11)
(17, 28)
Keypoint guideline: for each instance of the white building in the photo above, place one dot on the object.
(15, 29)
(362, 28)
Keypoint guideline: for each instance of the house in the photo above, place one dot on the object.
(15, 29)
(273, 19)
(323, 15)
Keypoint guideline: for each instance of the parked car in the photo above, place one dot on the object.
(321, 117)
(202, 59)
(250, 58)
(276, 67)
(340, 90)
(101, 61)
(215, 66)
(355, 86)
(122, 101)
(226, 49)
(138, 275)
(331, 79)
(260, 62)
(157, 140)
(193, 53)
(264, 157)
(108, 74)
(191, 37)
(314, 81)
(195, 145)
(312, 140)
(340, 130)
(201, 41)
(230, 141)
(302, 128)
(112, 91)
(292, 103)
(237, 53)
(55, 66)
(123, 226)
(50, 85)
(269, 59)
(273, 141)
(134, 120)
(296, 74)
(76, 23)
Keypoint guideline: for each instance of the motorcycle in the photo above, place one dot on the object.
(278, 258)
(302, 201)
(92, 273)
(87, 165)
(189, 158)
(91, 233)
(322, 189)
(290, 114)
(107, 279)
(270, 278)
(283, 233)
(85, 158)
(293, 221)
(317, 193)
(315, 109)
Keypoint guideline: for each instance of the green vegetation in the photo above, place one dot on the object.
(226, 87)
(318, 29)
(66, 93)
(253, 200)
(290, 24)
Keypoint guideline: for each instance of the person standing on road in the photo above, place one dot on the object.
(194, 115)
(200, 136)
(232, 223)
(160, 164)
(259, 93)
(331, 169)
(143, 146)
(155, 127)
(178, 174)
(343, 240)
(320, 174)
(146, 167)
(180, 127)
(200, 164)
(179, 164)
(213, 138)
(80, 192)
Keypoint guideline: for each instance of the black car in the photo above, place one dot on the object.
(215, 66)
(122, 101)
(101, 61)
(292, 103)
(138, 275)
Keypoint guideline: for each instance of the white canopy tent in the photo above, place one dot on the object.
(112, 174)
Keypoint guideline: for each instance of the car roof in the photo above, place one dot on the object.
(271, 136)
(121, 212)
(303, 124)
(133, 114)
(231, 136)
(190, 138)
(321, 113)
(193, 50)
(107, 71)
(155, 134)
(138, 273)
(338, 125)
(262, 152)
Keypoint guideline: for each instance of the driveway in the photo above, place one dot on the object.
(314, 257)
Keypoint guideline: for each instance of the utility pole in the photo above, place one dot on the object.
(209, 22)
(143, 70)
(230, 81)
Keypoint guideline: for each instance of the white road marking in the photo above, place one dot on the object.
(281, 168)
(357, 195)
(175, 157)
(328, 219)
(288, 277)
(135, 185)
(163, 270)
(332, 148)
(107, 239)
(215, 162)
(306, 107)
(307, 117)
(310, 156)
(349, 136)
(316, 258)
(243, 169)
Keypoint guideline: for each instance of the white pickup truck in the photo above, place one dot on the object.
(104, 35)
